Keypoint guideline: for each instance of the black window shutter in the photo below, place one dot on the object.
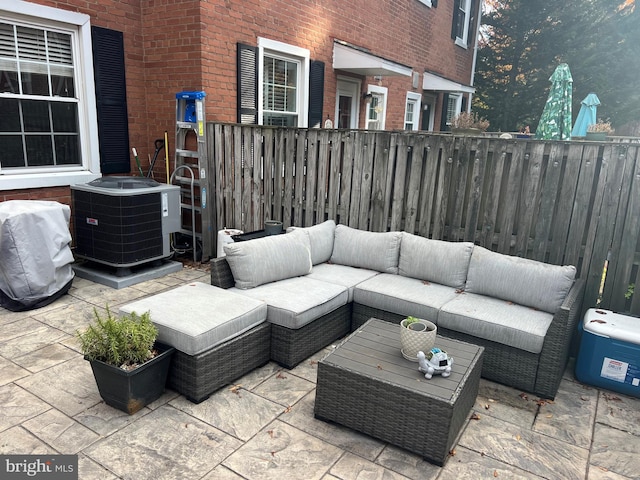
(443, 117)
(247, 80)
(111, 100)
(456, 19)
(316, 93)
(472, 23)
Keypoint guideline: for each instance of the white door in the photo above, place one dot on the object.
(347, 103)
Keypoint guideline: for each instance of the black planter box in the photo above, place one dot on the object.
(131, 390)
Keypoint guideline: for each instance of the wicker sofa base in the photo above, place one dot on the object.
(289, 347)
(198, 376)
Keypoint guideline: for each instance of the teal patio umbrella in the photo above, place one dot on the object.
(555, 122)
(586, 115)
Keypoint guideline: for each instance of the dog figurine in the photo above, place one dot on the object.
(435, 361)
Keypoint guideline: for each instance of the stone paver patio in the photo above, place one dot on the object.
(263, 427)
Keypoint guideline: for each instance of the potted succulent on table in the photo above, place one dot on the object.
(599, 131)
(129, 366)
(416, 334)
(467, 123)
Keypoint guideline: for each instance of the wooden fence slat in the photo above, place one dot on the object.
(268, 167)
(578, 223)
(548, 201)
(299, 185)
(413, 149)
(475, 194)
(323, 174)
(529, 197)
(289, 169)
(366, 180)
(442, 189)
(312, 175)
(568, 187)
(335, 139)
(257, 202)
(510, 200)
(399, 182)
(457, 196)
(495, 174)
(429, 156)
(379, 179)
(346, 180)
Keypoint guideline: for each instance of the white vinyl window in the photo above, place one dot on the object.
(461, 22)
(284, 79)
(48, 135)
(412, 111)
(426, 2)
(376, 108)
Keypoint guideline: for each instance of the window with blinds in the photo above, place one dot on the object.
(38, 104)
(280, 91)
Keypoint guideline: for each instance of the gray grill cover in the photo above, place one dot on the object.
(35, 257)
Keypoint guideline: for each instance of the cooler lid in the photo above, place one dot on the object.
(613, 325)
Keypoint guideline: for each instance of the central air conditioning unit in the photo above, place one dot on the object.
(124, 221)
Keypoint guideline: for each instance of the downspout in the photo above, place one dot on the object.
(475, 51)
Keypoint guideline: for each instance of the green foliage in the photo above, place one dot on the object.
(119, 341)
(409, 320)
(523, 42)
(630, 290)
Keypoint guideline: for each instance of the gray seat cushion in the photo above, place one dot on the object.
(295, 302)
(404, 295)
(196, 317)
(436, 261)
(341, 275)
(496, 320)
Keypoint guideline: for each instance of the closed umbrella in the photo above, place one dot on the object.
(586, 115)
(555, 122)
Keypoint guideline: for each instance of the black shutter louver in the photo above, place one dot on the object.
(443, 117)
(472, 21)
(111, 100)
(316, 93)
(247, 81)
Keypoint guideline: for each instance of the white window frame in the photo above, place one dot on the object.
(465, 6)
(416, 100)
(426, 2)
(382, 92)
(78, 25)
(273, 48)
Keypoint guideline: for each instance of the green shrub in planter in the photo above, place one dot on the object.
(125, 341)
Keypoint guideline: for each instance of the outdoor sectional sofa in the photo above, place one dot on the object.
(321, 282)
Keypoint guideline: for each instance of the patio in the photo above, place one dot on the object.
(263, 427)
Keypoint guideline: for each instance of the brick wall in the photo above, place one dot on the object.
(191, 45)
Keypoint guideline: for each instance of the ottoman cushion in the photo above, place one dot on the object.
(196, 317)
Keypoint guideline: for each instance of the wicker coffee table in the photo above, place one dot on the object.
(367, 385)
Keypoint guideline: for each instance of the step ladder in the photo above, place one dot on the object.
(191, 172)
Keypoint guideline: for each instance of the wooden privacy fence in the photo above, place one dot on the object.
(565, 203)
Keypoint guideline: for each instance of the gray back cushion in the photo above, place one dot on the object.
(269, 259)
(436, 261)
(321, 239)
(373, 250)
(519, 280)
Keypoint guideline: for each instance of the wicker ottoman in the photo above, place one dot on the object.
(218, 335)
(367, 385)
